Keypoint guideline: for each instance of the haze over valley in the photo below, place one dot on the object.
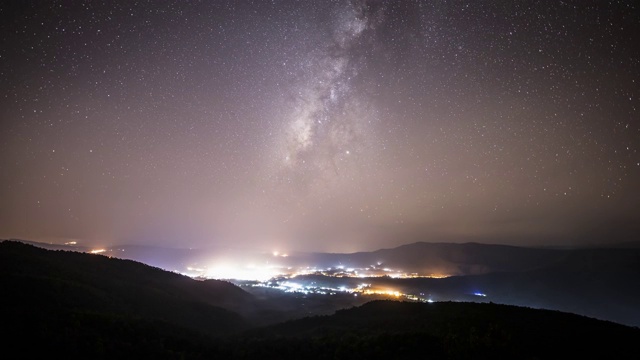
(251, 179)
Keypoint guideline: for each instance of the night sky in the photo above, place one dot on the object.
(320, 125)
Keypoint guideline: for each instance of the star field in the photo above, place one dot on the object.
(320, 125)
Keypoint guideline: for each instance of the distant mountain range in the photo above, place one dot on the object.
(596, 282)
(76, 305)
(444, 258)
(592, 281)
(421, 257)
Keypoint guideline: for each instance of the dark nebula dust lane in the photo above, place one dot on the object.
(320, 125)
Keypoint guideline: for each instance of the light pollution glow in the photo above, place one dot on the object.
(335, 126)
(261, 269)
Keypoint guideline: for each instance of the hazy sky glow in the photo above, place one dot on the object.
(320, 125)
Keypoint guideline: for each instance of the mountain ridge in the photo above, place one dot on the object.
(112, 285)
(82, 305)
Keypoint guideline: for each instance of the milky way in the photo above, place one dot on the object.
(320, 125)
(330, 120)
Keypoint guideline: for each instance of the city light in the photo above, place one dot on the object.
(239, 272)
(267, 273)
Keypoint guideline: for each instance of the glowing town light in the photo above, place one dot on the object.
(97, 251)
(292, 285)
(437, 276)
(249, 272)
(221, 272)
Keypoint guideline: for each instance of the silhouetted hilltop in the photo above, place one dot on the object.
(391, 329)
(76, 305)
(43, 281)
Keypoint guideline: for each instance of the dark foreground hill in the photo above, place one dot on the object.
(56, 285)
(449, 330)
(74, 305)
